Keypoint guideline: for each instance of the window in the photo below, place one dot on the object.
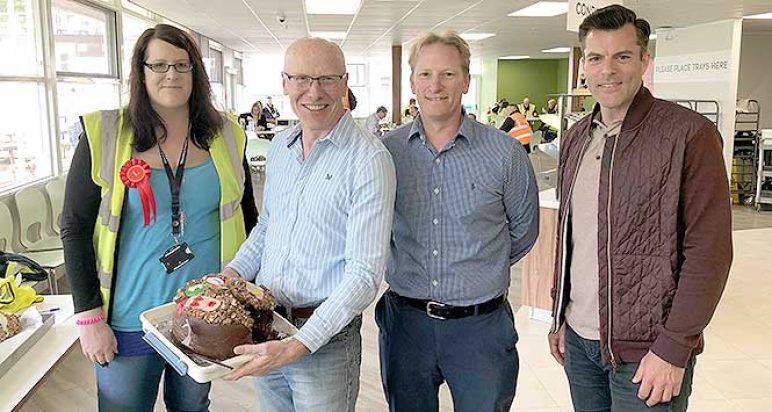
(101, 96)
(215, 58)
(84, 39)
(18, 40)
(25, 149)
(133, 27)
(239, 71)
(356, 74)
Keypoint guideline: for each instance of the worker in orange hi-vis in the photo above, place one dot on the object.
(517, 127)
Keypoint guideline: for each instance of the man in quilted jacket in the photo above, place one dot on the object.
(644, 245)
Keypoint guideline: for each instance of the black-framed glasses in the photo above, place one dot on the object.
(182, 67)
(303, 81)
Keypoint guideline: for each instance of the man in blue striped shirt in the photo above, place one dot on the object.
(321, 243)
(467, 209)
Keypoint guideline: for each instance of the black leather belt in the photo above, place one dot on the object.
(442, 311)
(296, 313)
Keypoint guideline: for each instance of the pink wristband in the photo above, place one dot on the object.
(90, 321)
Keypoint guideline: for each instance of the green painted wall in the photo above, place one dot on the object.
(536, 78)
(562, 83)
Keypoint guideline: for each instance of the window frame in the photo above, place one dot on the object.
(111, 30)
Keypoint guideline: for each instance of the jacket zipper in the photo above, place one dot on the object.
(564, 231)
(608, 254)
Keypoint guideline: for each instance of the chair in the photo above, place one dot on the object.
(6, 228)
(35, 220)
(8, 242)
(55, 191)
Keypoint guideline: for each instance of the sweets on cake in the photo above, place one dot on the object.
(10, 325)
(216, 313)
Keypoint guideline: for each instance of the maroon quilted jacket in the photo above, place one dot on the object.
(664, 230)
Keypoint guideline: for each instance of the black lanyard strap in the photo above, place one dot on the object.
(175, 184)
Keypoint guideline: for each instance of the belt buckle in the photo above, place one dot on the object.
(430, 305)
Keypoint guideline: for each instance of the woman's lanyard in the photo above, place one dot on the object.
(175, 186)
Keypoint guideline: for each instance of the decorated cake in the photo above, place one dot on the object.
(216, 313)
(9, 325)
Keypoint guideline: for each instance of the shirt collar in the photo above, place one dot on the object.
(337, 136)
(466, 130)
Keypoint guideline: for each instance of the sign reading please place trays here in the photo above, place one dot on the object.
(693, 68)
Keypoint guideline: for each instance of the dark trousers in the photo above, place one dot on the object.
(596, 387)
(475, 355)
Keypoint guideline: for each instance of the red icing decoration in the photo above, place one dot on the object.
(135, 173)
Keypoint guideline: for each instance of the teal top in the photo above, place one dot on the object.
(141, 281)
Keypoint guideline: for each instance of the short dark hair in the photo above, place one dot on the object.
(615, 17)
(381, 109)
(205, 121)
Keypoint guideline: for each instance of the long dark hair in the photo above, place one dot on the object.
(205, 121)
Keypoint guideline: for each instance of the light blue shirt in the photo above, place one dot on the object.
(323, 234)
(141, 282)
(463, 215)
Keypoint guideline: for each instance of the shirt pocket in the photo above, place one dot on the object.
(474, 203)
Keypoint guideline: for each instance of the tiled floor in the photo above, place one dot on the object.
(734, 373)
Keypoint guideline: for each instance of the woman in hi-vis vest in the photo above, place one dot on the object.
(158, 193)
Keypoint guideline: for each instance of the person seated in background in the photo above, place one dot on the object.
(502, 113)
(517, 127)
(412, 114)
(255, 119)
(549, 133)
(526, 108)
(269, 107)
(349, 100)
(374, 121)
(410, 104)
(552, 107)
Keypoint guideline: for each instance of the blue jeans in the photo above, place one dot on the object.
(130, 384)
(327, 380)
(475, 355)
(596, 387)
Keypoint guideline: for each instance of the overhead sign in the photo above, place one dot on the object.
(579, 9)
(693, 68)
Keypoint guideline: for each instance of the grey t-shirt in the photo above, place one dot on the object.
(582, 312)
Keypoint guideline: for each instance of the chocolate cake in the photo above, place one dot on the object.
(9, 325)
(216, 313)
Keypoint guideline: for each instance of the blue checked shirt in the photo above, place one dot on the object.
(463, 216)
(323, 234)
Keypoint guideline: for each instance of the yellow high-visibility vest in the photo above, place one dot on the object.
(110, 145)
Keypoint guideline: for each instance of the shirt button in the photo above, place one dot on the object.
(435, 252)
(435, 282)
(284, 247)
(436, 190)
(437, 160)
(435, 221)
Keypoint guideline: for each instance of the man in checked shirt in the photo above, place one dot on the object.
(466, 210)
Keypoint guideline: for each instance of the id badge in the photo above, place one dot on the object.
(176, 257)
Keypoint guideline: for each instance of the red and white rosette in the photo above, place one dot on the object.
(135, 173)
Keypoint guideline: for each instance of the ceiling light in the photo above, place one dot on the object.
(557, 50)
(760, 16)
(476, 36)
(514, 57)
(332, 7)
(329, 35)
(542, 9)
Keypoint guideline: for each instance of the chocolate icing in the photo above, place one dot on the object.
(217, 313)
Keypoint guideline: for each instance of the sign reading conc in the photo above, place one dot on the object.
(579, 9)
